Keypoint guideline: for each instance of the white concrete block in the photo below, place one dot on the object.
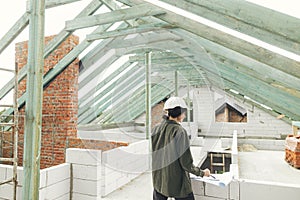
(199, 197)
(57, 173)
(86, 172)
(109, 188)
(234, 170)
(64, 197)
(57, 190)
(198, 187)
(197, 141)
(88, 187)
(234, 190)
(43, 178)
(3, 171)
(83, 156)
(78, 196)
(250, 190)
(216, 191)
(6, 192)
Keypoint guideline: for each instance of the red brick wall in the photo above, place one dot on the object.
(292, 150)
(156, 114)
(94, 144)
(60, 107)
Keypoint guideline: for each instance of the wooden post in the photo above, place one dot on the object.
(33, 109)
(148, 94)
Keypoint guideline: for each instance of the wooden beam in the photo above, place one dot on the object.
(160, 55)
(145, 39)
(242, 98)
(227, 40)
(260, 99)
(127, 31)
(121, 91)
(55, 42)
(34, 98)
(244, 64)
(138, 103)
(23, 21)
(258, 92)
(272, 27)
(115, 16)
(14, 31)
(108, 79)
(109, 87)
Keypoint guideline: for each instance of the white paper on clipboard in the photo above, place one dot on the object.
(220, 180)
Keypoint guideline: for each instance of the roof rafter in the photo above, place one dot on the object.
(244, 47)
(272, 27)
(112, 17)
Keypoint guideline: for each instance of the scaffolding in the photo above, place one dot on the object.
(10, 123)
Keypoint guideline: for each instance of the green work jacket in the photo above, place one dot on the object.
(172, 160)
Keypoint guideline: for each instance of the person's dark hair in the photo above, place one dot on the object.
(177, 111)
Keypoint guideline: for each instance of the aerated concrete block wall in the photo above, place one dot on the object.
(54, 183)
(96, 173)
(60, 103)
(86, 173)
(123, 164)
(259, 123)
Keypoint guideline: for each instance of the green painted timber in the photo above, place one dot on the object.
(272, 27)
(136, 104)
(55, 42)
(109, 87)
(33, 109)
(128, 31)
(112, 17)
(227, 40)
(120, 92)
(107, 80)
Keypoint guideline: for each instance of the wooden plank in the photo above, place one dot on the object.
(229, 41)
(55, 42)
(273, 113)
(138, 102)
(127, 31)
(108, 79)
(23, 21)
(137, 106)
(256, 94)
(266, 73)
(146, 39)
(34, 98)
(119, 93)
(14, 31)
(159, 55)
(258, 98)
(272, 27)
(112, 17)
(108, 88)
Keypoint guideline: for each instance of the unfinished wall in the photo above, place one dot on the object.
(60, 102)
(54, 183)
(97, 173)
(259, 123)
(60, 110)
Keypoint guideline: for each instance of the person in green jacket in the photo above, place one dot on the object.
(171, 156)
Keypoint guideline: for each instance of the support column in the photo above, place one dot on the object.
(148, 94)
(188, 103)
(176, 83)
(33, 109)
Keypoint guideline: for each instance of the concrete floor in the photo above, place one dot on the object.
(139, 188)
(258, 165)
(267, 166)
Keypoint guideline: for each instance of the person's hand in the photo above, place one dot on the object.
(206, 172)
